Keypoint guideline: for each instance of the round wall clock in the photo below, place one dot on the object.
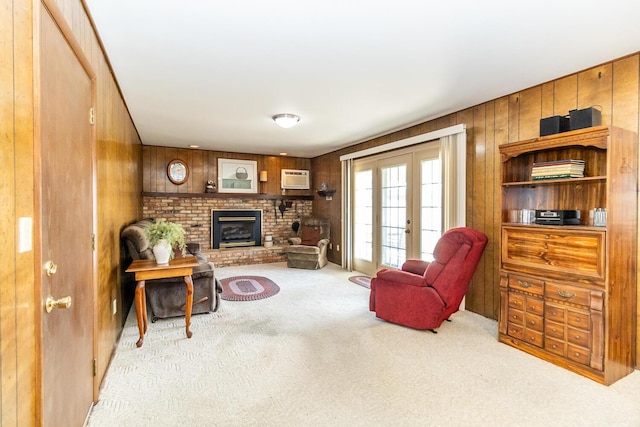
(178, 171)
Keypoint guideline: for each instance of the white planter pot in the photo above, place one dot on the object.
(162, 252)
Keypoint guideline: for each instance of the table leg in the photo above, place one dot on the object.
(141, 311)
(145, 318)
(187, 312)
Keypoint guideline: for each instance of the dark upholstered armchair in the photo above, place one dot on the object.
(424, 294)
(309, 248)
(166, 297)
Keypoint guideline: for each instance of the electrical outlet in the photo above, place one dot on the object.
(114, 306)
(337, 248)
(330, 245)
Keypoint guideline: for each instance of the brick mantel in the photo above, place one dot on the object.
(194, 214)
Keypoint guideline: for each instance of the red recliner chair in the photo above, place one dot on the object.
(424, 294)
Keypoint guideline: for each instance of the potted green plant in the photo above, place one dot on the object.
(163, 237)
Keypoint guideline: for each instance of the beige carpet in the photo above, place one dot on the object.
(313, 355)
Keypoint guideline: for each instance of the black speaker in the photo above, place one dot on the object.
(554, 124)
(584, 118)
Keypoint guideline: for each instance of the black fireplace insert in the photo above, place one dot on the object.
(236, 228)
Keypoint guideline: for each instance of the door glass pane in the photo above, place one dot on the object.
(363, 216)
(430, 206)
(393, 215)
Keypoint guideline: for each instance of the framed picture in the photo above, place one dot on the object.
(237, 176)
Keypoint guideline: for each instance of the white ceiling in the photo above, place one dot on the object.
(212, 73)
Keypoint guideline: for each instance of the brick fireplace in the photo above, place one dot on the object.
(194, 213)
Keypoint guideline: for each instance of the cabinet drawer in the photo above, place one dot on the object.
(566, 293)
(578, 319)
(526, 284)
(534, 306)
(515, 331)
(579, 337)
(555, 313)
(516, 301)
(516, 316)
(578, 354)
(554, 330)
(533, 337)
(552, 249)
(533, 322)
(554, 346)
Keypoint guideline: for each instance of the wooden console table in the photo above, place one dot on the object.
(145, 269)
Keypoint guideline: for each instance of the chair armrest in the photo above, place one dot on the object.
(322, 243)
(294, 240)
(194, 247)
(399, 277)
(415, 266)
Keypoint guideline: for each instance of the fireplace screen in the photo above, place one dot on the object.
(236, 228)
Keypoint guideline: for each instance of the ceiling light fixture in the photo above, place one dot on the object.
(286, 120)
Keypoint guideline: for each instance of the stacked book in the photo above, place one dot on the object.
(557, 169)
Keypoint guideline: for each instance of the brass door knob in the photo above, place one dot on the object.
(61, 303)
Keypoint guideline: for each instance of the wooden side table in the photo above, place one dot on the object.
(145, 269)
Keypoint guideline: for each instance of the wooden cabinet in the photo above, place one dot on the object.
(567, 292)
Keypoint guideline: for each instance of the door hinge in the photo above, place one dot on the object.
(92, 116)
(93, 242)
(95, 369)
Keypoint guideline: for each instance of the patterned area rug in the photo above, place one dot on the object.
(364, 281)
(247, 288)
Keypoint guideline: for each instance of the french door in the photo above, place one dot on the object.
(397, 208)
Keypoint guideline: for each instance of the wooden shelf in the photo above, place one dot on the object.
(588, 137)
(232, 196)
(327, 194)
(555, 181)
(555, 227)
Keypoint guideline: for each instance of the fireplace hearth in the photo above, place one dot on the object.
(236, 228)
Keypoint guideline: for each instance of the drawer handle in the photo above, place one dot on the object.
(565, 294)
(577, 337)
(524, 284)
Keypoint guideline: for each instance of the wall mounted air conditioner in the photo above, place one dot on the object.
(292, 179)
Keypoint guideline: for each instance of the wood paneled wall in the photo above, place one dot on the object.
(203, 166)
(118, 185)
(613, 86)
(18, 313)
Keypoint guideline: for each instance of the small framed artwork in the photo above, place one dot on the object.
(237, 176)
